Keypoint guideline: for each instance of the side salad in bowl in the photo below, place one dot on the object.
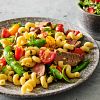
(90, 6)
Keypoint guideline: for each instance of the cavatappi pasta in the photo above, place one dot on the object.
(40, 53)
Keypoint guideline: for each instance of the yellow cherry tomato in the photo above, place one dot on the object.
(14, 29)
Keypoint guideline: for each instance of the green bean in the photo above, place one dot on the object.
(4, 69)
(56, 73)
(37, 42)
(82, 66)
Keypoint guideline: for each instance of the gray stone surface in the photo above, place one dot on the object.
(60, 9)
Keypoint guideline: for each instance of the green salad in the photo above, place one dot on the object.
(90, 6)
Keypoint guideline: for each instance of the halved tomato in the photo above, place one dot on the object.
(78, 51)
(91, 10)
(19, 52)
(2, 62)
(59, 28)
(45, 57)
(5, 33)
(59, 68)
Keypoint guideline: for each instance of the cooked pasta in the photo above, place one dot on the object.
(21, 30)
(36, 59)
(2, 82)
(73, 36)
(68, 46)
(28, 62)
(50, 79)
(70, 74)
(16, 79)
(44, 81)
(28, 25)
(3, 77)
(10, 76)
(87, 46)
(21, 41)
(29, 84)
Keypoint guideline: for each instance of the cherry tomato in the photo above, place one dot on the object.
(14, 29)
(91, 10)
(60, 28)
(59, 68)
(19, 52)
(78, 51)
(39, 69)
(5, 33)
(2, 62)
(76, 32)
(97, 1)
(47, 58)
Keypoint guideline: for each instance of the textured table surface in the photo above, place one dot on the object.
(60, 9)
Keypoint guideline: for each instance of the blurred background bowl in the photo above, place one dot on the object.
(90, 22)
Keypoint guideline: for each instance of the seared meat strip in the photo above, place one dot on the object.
(68, 58)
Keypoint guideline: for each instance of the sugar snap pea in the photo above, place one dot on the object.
(8, 55)
(36, 42)
(56, 73)
(63, 74)
(80, 67)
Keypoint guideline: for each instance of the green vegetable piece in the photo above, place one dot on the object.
(47, 29)
(8, 55)
(37, 42)
(0, 43)
(98, 9)
(82, 66)
(64, 75)
(56, 73)
(4, 69)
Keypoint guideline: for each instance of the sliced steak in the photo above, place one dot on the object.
(68, 58)
(39, 69)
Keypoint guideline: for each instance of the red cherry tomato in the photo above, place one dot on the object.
(60, 28)
(76, 32)
(59, 68)
(97, 1)
(5, 33)
(47, 58)
(91, 10)
(2, 62)
(78, 51)
(19, 52)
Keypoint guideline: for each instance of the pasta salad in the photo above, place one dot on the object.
(41, 53)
